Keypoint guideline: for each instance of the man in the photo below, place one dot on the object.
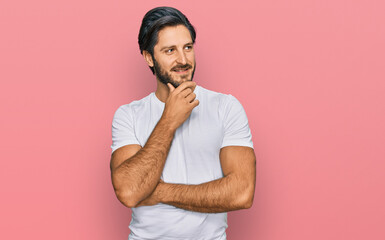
(182, 156)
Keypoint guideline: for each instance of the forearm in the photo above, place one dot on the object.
(222, 195)
(137, 177)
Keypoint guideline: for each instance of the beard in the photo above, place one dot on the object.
(164, 77)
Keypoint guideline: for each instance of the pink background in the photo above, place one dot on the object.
(310, 75)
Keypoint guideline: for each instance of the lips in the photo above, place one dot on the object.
(181, 68)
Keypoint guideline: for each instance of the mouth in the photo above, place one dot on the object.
(181, 70)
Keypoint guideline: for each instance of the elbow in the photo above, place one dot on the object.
(123, 193)
(248, 204)
(245, 200)
(126, 198)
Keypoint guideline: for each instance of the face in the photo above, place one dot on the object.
(174, 58)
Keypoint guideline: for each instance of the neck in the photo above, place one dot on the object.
(162, 91)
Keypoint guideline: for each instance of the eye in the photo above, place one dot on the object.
(169, 51)
(188, 47)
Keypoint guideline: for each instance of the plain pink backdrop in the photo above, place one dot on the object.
(310, 75)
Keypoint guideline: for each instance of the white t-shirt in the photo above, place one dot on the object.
(218, 121)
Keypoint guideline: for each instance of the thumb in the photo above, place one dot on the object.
(170, 87)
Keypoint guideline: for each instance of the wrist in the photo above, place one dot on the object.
(161, 192)
(167, 124)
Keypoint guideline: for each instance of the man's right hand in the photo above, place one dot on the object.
(179, 103)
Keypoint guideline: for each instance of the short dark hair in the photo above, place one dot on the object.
(155, 20)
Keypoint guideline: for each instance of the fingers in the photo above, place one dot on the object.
(179, 104)
(170, 87)
(195, 103)
(186, 92)
(190, 97)
(184, 85)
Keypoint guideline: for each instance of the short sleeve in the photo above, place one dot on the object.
(123, 128)
(236, 125)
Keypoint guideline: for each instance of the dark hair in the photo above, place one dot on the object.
(155, 20)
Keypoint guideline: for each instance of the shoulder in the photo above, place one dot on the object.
(134, 106)
(212, 96)
(221, 100)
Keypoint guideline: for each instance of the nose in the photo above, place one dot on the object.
(182, 59)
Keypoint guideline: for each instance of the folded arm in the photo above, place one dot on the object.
(135, 171)
(232, 192)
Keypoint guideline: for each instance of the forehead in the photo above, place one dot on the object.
(173, 36)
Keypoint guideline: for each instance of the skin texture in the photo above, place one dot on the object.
(136, 171)
(232, 192)
(165, 78)
(174, 48)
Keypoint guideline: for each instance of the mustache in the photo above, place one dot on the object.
(188, 66)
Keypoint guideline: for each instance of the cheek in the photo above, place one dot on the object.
(169, 64)
(192, 58)
(166, 67)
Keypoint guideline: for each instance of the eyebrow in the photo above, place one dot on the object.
(163, 48)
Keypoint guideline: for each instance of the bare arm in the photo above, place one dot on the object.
(232, 192)
(136, 171)
(136, 177)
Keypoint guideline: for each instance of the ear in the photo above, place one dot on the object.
(147, 56)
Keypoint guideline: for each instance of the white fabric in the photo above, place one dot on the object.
(218, 121)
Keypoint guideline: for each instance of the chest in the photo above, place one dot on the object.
(194, 154)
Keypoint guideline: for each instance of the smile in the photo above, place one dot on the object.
(182, 70)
